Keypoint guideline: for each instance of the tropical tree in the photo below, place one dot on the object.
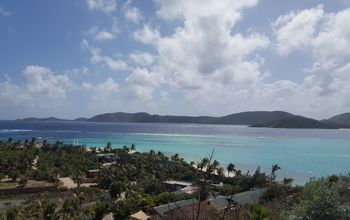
(78, 177)
(230, 168)
(258, 212)
(68, 208)
(115, 189)
(275, 167)
(133, 147)
(323, 199)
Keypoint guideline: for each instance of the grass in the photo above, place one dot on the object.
(8, 185)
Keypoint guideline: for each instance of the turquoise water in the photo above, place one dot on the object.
(301, 153)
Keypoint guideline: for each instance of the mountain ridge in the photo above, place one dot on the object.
(269, 119)
(298, 122)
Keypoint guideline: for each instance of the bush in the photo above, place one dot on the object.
(323, 199)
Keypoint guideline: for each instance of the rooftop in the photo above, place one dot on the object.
(176, 182)
(163, 209)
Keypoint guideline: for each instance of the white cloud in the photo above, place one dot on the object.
(104, 35)
(131, 13)
(105, 96)
(106, 89)
(295, 30)
(139, 93)
(105, 6)
(333, 40)
(97, 57)
(41, 87)
(141, 84)
(205, 51)
(142, 58)
(142, 77)
(183, 9)
(147, 35)
(114, 64)
(326, 34)
(327, 37)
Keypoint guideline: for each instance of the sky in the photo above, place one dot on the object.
(80, 58)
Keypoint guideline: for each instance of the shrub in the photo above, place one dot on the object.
(323, 199)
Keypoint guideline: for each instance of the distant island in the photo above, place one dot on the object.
(42, 119)
(297, 122)
(268, 119)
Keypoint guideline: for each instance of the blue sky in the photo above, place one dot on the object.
(200, 57)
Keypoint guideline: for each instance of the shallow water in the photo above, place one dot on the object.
(301, 153)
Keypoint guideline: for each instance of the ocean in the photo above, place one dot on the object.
(301, 153)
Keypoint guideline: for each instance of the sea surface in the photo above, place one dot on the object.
(301, 153)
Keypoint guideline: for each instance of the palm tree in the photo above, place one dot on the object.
(231, 169)
(203, 163)
(175, 157)
(133, 147)
(108, 147)
(32, 142)
(126, 149)
(45, 143)
(275, 167)
(78, 177)
(27, 213)
(50, 212)
(68, 208)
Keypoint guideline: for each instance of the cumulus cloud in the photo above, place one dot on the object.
(327, 37)
(147, 35)
(210, 66)
(296, 30)
(105, 6)
(204, 49)
(132, 13)
(327, 34)
(106, 90)
(104, 35)
(141, 84)
(143, 77)
(41, 87)
(99, 34)
(333, 40)
(97, 57)
(142, 58)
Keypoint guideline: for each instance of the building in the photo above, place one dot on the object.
(239, 199)
(174, 185)
(162, 210)
(140, 215)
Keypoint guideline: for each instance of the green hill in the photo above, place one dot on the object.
(342, 119)
(297, 122)
(243, 118)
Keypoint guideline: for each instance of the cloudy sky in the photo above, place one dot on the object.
(183, 57)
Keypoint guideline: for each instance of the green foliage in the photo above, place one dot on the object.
(228, 189)
(258, 212)
(23, 180)
(323, 199)
(153, 187)
(231, 168)
(116, 188)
